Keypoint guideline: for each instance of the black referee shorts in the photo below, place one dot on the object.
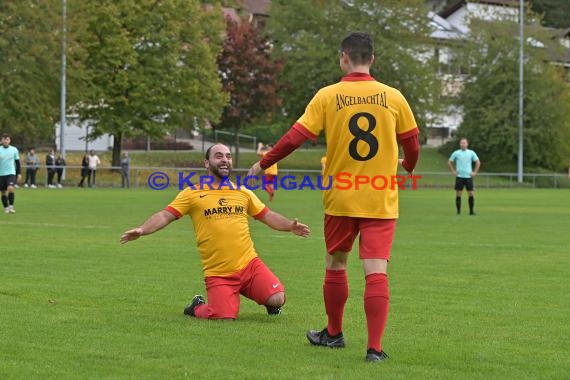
(461, 183)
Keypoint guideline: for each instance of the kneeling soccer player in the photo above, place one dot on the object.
(231, 266)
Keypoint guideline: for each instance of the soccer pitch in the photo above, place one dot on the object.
(482, 297)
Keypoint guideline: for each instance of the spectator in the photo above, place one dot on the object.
(59, 167)
(50, 165)
(125, 170)
(94, 161)
(32, 165)
(84, 169)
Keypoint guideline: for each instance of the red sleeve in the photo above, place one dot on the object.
(411, 145)
(173, 211)
(290, 141)
(304, 131)
(261, 214)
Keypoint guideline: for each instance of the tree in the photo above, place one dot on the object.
(555, 12)
(490, 99)
(148, 65)
(308, 41)
(30, 40)
(249, 76)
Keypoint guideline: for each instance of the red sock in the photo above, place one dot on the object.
(335, 293)
(376, 305)
(202, 311)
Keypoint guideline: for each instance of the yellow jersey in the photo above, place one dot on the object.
(220, 220)
(323, 164)
(361, 119)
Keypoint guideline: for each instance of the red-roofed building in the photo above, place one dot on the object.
(255, 11)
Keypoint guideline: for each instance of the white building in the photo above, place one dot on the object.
(451, 26)
(75, 138)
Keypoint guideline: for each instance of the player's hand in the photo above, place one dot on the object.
(454, 173)
(253, 172)
(473, 174)
(300, 229)
(400, 161)
(130, 235)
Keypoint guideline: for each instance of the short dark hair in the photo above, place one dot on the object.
(209, 149)
(208, 152)
(359, 47)
(4, 135)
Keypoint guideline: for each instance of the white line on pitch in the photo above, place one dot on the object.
(32, 224)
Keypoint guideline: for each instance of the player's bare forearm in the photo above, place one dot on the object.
(259, 148)
(477, 166)
(280, 223)
(156, 222)
(451, 168)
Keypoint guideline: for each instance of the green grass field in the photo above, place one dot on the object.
(484, 297)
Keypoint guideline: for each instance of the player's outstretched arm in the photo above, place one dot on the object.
(280, 223)
(260, 147)
(254, 171)
(156, 222)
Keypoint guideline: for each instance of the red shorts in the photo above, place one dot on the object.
(255, 282)
(376, 235)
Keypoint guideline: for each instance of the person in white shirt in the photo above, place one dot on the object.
(93, 162)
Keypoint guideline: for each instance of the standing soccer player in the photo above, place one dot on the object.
(362, 120)
(220, 218)
(9, 173)
(463, 159)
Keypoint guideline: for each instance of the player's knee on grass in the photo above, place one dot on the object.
(276, 300)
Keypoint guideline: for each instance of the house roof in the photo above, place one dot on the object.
(251, 7)
(257, 7)
(443, 30)
(454, 7)
(506, 3)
